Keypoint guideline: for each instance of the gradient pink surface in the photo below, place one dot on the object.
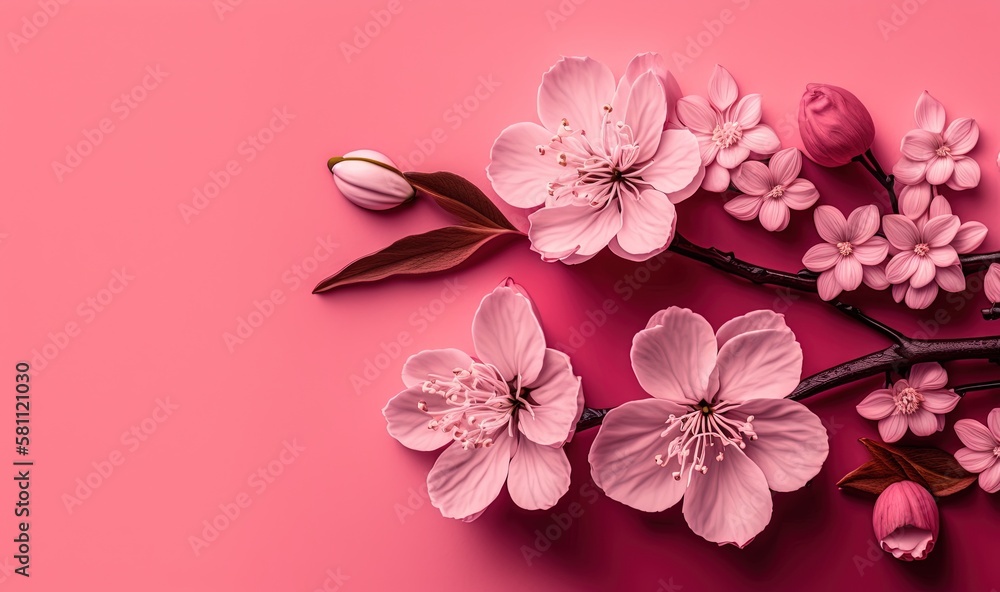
(272, 425)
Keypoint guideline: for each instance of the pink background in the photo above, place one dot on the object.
(349, 501)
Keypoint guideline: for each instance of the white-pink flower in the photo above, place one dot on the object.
(772, 190)
(718, 431)
(935, 154)
(925, 253)
(851, 254)
(601, 163)
(917, 403)
(504, 414)
(728, 130)
(982, 449)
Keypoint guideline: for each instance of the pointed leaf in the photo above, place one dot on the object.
(437, 250)
(932, 468)
(460, 197)
(872, 477)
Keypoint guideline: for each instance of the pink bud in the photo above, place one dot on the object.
(834, 125)
(991, 284)
(367, 184)
(906, 521)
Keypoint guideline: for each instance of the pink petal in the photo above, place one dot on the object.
(989, 479)
(680, 195)
(791, 442)
(929, 375)
(785, 165)
(674, 94)
(892, 428)
(732, 156)
(731, 503)
(821, 257)
(583, 230)
(464, 482)
(899, 291)
(620, 252)
(639, 65)
(697, 113)
(940, 169)
(722, 89)
(914, 199)
(507, 335)
(939, 207)
(746, 112)
(520, 174)
(827, 285)
(877, 405)
(975, 435)
(575, 89)
(862, 224)
(993, 421)
(901, 267)
(991, 283)
(674, 360)
(716, 178)
(910, 172)
(874, 277)
(848, 273)
(744, 207)
(554, 393)
(758, 320)
(969, 236)
(539, 476)
(922, 422)
(647, 222)
(901, 232)
(961, 135)
(921, 298)
(943, 256)
(951, 279)
(831, 224)
(419, 366)
(646, 113)
(774, 215)
(753, 178)
(707, 147)
(759, 365)
(939, 401)
(924, 273)
(675, 162)
(929, 113)
(761, 140)
(966, 174)
(975, 461)
(940, 230)
(920, 145)
(622, 456)
(408, 424)
(872, 252)
(800, 194)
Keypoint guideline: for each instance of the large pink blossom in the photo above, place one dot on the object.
(728, 130)
(925, 253)
(982, 449)
(504, 414)
(935, 154)
(851, 254)
(772, 190)
(718, 431)
(917, 403)
(601, 163)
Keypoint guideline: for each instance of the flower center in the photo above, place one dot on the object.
(921, 249)
(845, 248)
(477, 404)
(693, 433)
(943, 151)
(727, 134)
(908, 400)
(776, 192)
(996, 451)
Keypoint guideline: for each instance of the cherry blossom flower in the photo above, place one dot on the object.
(718, 431)
(937, 155)
(917, 403)
(601, 163)
(982, 449)
(728, 130)
(771, 190)
(505, 413)
(925, 253)
(851, 254)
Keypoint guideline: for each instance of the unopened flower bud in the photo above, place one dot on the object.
(906, 521)
(834, 125)
(368, 184)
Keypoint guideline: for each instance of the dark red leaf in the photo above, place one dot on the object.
(932, 468)
(436, 250)
(872, 477)
(460, 197)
